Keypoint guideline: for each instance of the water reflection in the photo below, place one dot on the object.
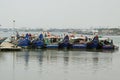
(40, 57)
(60, 65)
(26, 58)
(101, 61)
(1, 56)
(65, 58)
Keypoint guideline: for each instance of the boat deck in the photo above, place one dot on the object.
(6, 46)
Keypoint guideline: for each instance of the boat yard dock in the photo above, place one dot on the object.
(7, 46)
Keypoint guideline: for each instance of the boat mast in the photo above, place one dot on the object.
(13, 24)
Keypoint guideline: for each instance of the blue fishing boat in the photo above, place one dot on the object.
(53, 42)
(101, 43)
(107, 43)
(82, 43)
(65, 43)
(94, 44)
(24, 42)
(39, 42)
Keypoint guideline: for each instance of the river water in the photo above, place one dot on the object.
(61, 64)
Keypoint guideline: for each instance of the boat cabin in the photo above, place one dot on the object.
(105, 41)
(79, 40)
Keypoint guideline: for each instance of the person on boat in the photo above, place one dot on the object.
(17, 35)
(48, 34)
(45, 34)
(107, 42)
(86, 38)
(111, 42)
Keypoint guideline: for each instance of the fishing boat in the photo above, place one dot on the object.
(65, 43)
(94, 43)
(57, 42)
(52, 41)
(101, 43)
(38, 43)
(24, 41)
(84, 42)
(107, 43)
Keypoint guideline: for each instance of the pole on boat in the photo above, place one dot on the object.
(13, 24)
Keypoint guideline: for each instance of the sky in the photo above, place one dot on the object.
(59, 13)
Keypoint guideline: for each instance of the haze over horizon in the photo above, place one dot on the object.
(59, 13)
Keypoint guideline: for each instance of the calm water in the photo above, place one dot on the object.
(60, 65)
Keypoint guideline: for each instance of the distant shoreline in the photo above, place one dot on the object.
(101, 31)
